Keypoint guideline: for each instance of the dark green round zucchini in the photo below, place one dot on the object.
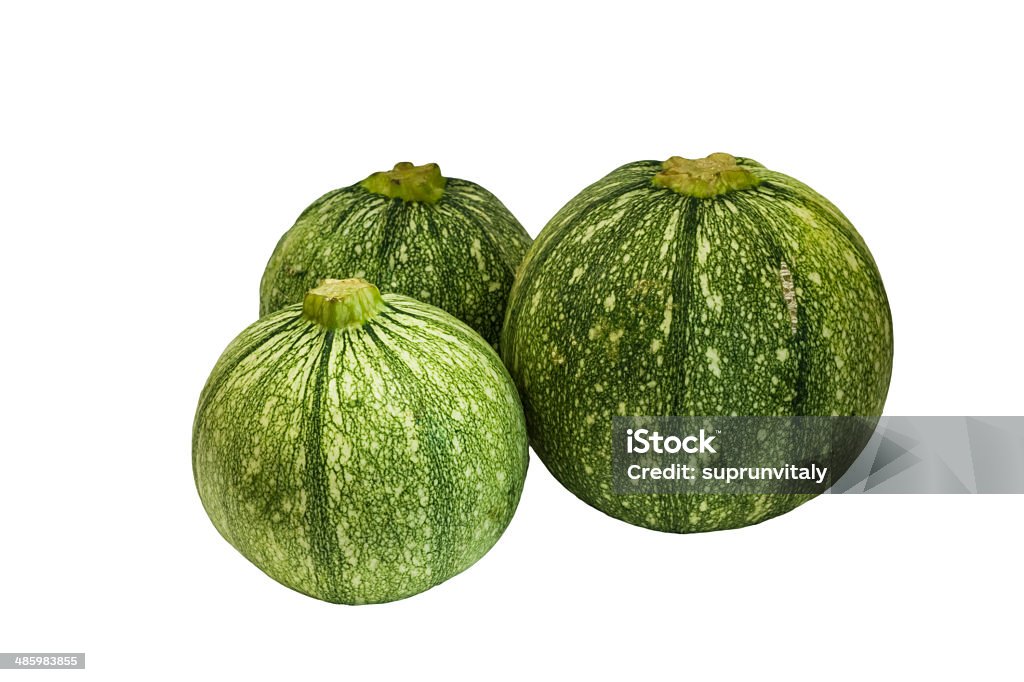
(412, 231)
(692, 287)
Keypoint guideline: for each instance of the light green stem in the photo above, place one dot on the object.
(342, 303)
(704, 178)
(408, 182)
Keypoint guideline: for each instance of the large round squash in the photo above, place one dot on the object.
(358, 447)
(692, 288)
(411, 231)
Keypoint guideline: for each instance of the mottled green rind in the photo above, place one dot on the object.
(360, 466)
(459, 254)
(635, 300)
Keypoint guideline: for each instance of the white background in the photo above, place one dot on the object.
(150, 159)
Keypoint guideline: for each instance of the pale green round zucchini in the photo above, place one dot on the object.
(359, 447)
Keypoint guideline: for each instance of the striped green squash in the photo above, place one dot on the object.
(691, 288)
(359, 447)
(444, 241)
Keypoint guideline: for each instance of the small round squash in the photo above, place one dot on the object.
(693, 287)
(412, 231)
(359, 447)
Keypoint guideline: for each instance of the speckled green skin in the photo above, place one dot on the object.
(637, 300)
(459, 254)
(364, 465)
